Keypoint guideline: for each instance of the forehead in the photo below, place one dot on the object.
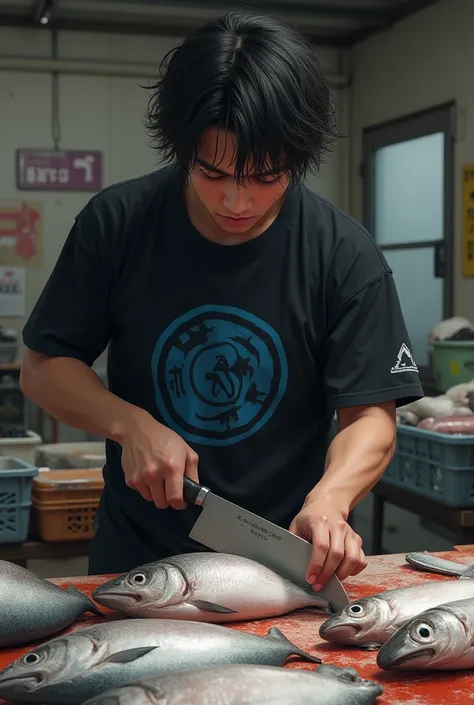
(217, 149)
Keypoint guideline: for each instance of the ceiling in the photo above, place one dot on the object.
(331, 22)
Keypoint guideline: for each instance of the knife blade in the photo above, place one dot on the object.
(227, 528)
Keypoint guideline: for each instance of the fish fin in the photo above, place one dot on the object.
(276, 634)
(92, 607)
(468, 573)
(129, 655)
(211, 607)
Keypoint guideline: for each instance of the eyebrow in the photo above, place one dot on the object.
(214, 169)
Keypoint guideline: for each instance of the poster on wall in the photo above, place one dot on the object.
(468, 220)
(58, 170)
(12, 291)
(21, 233)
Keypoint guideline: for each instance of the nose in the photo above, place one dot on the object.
(237, 199)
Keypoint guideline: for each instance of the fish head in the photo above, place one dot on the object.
(150, 586)
(34, 669)
(362, 622)
(56, 660)
(427, 641)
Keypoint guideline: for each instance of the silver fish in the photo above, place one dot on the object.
(72, 668)
(33, 608)
(210, 587)
(439, 639)
(370, 621)
(248, 685)
(433, 564)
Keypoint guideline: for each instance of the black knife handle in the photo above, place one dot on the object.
(193, 493)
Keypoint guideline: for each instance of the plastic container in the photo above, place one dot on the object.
(453, 363)
(65, 503)
(16, 477)
(88, 454)
(24, 448)
(434, 465)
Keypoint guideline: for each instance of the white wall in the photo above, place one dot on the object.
(104, 113)
(424, 61)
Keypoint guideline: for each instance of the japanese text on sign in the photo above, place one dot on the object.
(468, 221)
(59, 171)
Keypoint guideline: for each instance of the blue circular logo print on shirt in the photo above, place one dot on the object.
(219, 374)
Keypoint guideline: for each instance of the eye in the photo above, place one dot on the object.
(356, 610)
(211, 177)
(138, 579)
(31, 659)
(423, 632)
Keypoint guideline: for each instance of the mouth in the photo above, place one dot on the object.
(129, 599)
(340, 633)
(235, 220)
(20, 684)
(415, 659)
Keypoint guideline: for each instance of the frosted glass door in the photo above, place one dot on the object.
(409, 191)
(420, 294)
(408, 210)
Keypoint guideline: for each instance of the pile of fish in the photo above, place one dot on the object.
(165, 645)
(452, 412)
(420, 627)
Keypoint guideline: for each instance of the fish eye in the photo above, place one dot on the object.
(138, 579)
(31, 659)
(356, 610)
(423, 632)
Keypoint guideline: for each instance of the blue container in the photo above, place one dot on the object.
(15, 498)
(434, 465)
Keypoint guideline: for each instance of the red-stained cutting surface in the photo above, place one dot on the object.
(382, 573)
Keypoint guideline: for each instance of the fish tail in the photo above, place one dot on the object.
(89, 605)
(276, 634)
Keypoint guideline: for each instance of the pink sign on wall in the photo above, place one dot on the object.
(51, 170)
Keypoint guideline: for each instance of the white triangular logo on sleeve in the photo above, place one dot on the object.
(405, 361)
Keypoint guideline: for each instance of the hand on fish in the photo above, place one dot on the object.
(155, 459)
(337, 549)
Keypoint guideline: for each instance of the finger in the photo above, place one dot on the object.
(144, 490)
(156, 486)
(363, 563)
(192, 461)
(320, 541)
(352, 556)
(335, 555)
(173, 473)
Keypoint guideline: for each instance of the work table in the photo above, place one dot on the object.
(382, 573)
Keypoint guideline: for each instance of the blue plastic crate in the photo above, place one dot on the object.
(434, 465)
(15, 498)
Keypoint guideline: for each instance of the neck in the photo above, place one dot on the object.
(208, 228)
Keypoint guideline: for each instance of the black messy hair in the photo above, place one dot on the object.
(254, 77)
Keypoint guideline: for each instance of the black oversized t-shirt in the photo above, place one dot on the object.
(245, 351)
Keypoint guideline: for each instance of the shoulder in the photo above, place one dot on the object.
(344, 253)
(121, 202)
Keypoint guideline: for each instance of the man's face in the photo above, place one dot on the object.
(235, 208)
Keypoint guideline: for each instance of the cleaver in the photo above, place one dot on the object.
(227, 528)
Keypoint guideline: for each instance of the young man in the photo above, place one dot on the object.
(239, 310)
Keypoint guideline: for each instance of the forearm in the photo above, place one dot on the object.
(71, 392)
(358, 456)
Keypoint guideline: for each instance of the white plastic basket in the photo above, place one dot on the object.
(23, 448)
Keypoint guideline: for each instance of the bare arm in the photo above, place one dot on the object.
(154, 458)
(72, 393)
(356, 459)
(358, 455)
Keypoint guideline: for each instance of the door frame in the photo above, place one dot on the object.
(438, 118)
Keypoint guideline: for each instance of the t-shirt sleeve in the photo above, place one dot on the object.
(367, 355)
(72, 315)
